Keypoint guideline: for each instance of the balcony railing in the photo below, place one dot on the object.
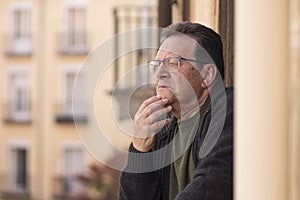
(64, 113)
(18, 45)
(136, 98)
(11, 115)
(69, 188)
(13, 189)
(73, 43)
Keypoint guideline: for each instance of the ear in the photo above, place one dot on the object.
(209, 72)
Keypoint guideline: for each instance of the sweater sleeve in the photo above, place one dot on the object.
(136, 186)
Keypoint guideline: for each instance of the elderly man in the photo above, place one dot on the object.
(183, 144)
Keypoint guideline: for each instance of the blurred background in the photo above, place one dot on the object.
(43, 43)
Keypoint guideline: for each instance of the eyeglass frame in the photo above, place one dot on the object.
(179, 59)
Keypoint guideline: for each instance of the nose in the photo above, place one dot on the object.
(162, 72)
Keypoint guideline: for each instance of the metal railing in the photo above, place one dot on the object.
(73, 43)
(16, 116)
(14, 189)
(18, 46)
(64, 113)
(69, 188)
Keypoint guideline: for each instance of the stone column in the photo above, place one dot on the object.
(261, 99)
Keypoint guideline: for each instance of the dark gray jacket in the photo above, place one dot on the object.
(213, 175)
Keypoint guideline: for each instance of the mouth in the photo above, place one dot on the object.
(162, 86)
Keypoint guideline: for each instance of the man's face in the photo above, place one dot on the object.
(184, 84)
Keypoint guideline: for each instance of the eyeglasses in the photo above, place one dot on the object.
(172, 63)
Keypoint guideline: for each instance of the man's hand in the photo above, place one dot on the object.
(147, 122)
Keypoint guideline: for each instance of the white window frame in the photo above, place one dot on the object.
(14, 114)
(65, 107)
(76, 187)
(77, 46)
(142, 75)
(23, 44)
(65, 145)
(12, 145)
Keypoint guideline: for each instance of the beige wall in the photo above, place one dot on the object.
(43, 134)
(100, 27)
(10, 132)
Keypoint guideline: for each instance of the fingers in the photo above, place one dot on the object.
(155, 116)
(149, 101)
(150, 117)
(150, 130)
(154, 106)
(153, 123)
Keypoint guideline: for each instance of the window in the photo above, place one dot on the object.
(73, 161)
(130, 70)
(75, 25)
(18, 167)
(129, 18)
(70, 74)
(18, 105)
(69, 84)
(19, 175)
(73, 166)
(19, 41)
(74, 36)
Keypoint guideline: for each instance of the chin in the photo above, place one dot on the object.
(166, 94)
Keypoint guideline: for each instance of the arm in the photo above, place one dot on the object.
(136, 186)
(145, 185)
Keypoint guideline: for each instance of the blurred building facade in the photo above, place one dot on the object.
(43, 44)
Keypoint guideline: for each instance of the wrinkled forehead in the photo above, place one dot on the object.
(180, 45)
